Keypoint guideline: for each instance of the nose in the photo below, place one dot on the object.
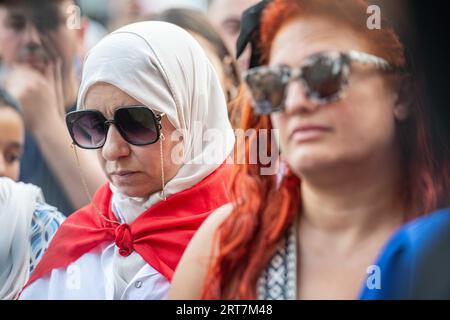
(31, 36)
(115, 146)
(297, 101)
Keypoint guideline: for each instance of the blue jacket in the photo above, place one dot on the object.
(415, 263)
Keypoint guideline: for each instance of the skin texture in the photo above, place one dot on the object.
(350, 172)
(225, 15)
(12, 137)
(40, 74)
(118, 155)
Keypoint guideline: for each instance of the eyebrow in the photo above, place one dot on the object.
(111, 110)
(18, 12)
(15, 16)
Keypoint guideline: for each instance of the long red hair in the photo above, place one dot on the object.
(264, 210)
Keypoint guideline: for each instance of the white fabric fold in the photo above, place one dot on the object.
(17, 204)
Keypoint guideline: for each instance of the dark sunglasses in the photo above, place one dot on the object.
(324, 76)
(138, 125)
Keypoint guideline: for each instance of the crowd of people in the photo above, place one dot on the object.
(121, 173)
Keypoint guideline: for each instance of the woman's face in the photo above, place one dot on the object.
(349, 131)
(134, 170)
(12, 135)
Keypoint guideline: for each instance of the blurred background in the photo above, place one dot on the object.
(422, 25)
(114, 13)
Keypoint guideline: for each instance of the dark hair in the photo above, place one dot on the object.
(34, 3)
(46, 15)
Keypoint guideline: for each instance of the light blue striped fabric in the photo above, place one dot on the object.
(44, 224)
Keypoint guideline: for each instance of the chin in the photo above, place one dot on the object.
(134, 192)
(309, 162)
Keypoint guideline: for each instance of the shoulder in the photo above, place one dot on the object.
(45, 221)
(204, 237)
(416, 260)
(420, 233)
(216, 218)
(46, 218)
(190, 274)
(84, 278)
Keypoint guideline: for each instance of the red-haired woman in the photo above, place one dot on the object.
(359, 157)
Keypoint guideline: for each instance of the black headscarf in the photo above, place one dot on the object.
(250, 32)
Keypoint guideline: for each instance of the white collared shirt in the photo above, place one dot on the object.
(91, 278)
(92, 275)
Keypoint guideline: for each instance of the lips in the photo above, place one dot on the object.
(123, 173)
(122, 177)
(308, 133)
(35, 62)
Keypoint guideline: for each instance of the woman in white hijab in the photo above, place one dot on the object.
(152, 105)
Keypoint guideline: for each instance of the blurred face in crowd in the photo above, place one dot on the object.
(358, 128)
(213, 58)
(11, 142)
(225, 15)
(134, 170)
(37, 31)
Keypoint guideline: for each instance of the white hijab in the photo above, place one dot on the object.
(17, 205)
(164, 68)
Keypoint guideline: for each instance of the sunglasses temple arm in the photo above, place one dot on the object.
(86, 189)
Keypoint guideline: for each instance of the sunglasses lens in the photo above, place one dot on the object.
(267, 86)
(324, 77)
(137, 124)
(87, 128)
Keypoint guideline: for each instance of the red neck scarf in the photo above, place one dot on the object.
(159, 235)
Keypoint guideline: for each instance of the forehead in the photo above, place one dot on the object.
(310, 35)
(107, 98)
(36, 10)
(11, 125)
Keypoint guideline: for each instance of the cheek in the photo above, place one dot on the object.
(101, 160)
(13, 39)
(66, 45)
(173, 158)
(13, 171)
(279, 123)
(146, 159)
(367, 115)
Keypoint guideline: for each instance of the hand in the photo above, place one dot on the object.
(40, 94)
(37, 94)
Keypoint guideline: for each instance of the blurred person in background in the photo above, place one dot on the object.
(12, 136)
(197, 24)
(27, 223)
(41, 42)
(124, 12)
(225, 16)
